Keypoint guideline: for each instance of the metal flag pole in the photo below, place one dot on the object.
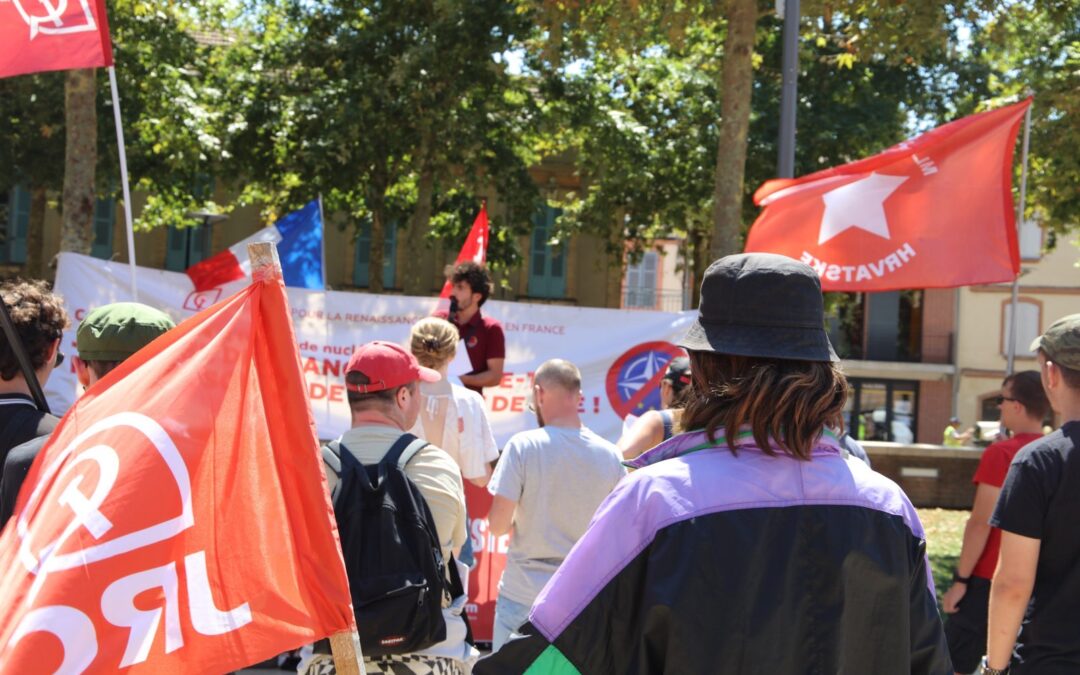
(789, 88)
(1019, 223)
(124, 181)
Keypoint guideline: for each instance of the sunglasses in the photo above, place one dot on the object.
(1001, 399)
(59, 358)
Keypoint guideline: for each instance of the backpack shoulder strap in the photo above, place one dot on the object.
(404, 449)
(331, 453)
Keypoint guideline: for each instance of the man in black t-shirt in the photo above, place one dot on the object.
(1037, 581)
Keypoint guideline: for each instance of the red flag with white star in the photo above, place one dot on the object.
(475, 247)
(933, 212)
(36, 36)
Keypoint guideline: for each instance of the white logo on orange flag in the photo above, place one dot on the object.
(59, 18)
(178, 520)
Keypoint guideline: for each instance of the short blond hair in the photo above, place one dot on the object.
(433, 341)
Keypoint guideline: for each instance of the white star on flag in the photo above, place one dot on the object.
(858, 204)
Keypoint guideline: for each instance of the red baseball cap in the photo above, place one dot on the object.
(386, 365)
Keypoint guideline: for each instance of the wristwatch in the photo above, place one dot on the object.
(985, 669)
(957, 579)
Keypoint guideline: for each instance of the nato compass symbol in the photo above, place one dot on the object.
(54, 18)
(633, 382)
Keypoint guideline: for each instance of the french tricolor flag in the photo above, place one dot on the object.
(299, 239)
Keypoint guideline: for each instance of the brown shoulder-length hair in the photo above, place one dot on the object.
(786, 403)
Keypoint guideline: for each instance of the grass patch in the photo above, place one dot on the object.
(944, 537)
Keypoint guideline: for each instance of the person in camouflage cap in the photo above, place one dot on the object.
(1036, 588)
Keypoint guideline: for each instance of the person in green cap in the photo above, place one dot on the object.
(105, 338)
(1036, 587)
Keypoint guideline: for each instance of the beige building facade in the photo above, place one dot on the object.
(1049, 288)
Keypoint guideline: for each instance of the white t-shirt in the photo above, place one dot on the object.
(558, 477)
(466, 434)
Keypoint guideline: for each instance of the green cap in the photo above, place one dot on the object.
(115, 332)
(1061, 342)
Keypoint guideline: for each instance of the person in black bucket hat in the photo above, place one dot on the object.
(748, 543)
(761, 304)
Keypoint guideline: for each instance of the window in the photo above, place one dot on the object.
(362, 264)
(882, 410)
(104, 222)
(1030, 240)
(988, 407)
(187, 246)
(1028, 321)
(891, 326)
(547, 263)
(641, 282)
(16, 223)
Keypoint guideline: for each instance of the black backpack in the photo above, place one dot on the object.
(397, 577)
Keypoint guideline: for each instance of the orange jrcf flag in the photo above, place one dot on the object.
(178, 520)
(935, 211)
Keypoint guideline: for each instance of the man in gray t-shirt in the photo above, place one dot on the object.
(547, 485)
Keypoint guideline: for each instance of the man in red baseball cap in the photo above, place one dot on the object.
(381, 383)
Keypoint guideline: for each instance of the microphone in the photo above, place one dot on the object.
(452, 314)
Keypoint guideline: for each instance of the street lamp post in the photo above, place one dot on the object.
(789, 11)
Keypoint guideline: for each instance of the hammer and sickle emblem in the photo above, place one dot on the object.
(52, 22)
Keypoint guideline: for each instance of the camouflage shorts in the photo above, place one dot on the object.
(408, 664)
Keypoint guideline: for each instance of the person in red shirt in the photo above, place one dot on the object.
(483, 336)
(1023, 406)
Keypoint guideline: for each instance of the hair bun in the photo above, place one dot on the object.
(431, 343)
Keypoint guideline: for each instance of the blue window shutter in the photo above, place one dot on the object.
(390, 256)
(202, 242)
(362, 261)
(547, 269)
(18, 225)
(176, 248)
(104, 222)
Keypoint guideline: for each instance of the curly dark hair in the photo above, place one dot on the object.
(474, 274)
(39, 318)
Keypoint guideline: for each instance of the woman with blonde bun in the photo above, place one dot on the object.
(451, 416)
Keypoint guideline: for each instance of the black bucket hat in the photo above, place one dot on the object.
(763, 305)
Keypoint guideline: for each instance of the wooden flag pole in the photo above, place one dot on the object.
(1011, 364)
(129, 226)
(344, 645)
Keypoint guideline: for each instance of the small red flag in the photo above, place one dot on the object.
(178, 521)
(474, 248)
(933, 212)
(36, 36)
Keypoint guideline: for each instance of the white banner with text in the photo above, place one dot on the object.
(622, 354)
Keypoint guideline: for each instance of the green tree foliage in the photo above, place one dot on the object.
(1033, 48)
(398, 112)
(169, 67)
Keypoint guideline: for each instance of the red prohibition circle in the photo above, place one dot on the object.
(623, 408)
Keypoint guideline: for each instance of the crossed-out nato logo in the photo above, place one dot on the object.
(633, 381)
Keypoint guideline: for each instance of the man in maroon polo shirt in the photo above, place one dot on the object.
(483, 336)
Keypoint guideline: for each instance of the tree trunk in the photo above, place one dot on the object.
(697, 244)
(80, 111)
(414, 276)
(378, 248)
(35, 234)
(737, 86)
